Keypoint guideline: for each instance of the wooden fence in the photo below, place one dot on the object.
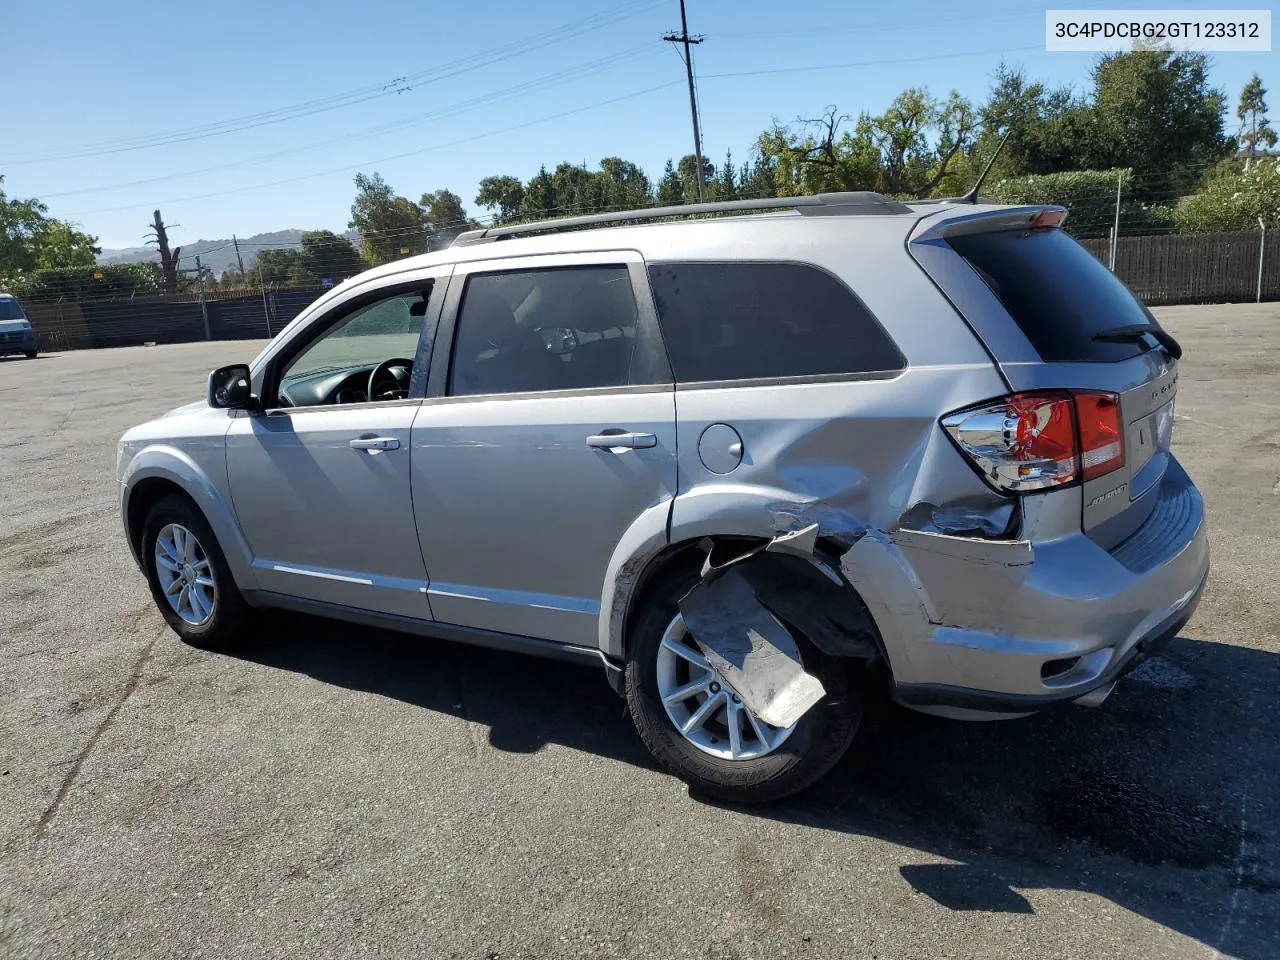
(1195, 267)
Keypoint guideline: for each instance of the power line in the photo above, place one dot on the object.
(397, 156)
(866, 63)
(538, 84)
(359, 95)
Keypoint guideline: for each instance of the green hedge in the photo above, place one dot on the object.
(1090, 198)
(104, 282)
(1234, 201)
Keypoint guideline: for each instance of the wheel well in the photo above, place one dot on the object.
(146, 494)
(688, 556)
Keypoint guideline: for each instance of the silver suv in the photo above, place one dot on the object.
(747, 463)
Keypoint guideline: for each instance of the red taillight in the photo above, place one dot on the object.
(1101, 438)
(1036, 441)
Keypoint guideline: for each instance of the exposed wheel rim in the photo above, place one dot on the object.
(185, 574)
(703, 709)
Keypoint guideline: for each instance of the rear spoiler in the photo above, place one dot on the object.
(952, 221)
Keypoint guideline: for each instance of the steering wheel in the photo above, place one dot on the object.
(389, 380)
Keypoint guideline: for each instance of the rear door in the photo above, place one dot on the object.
(1046, 308)
(549, 427)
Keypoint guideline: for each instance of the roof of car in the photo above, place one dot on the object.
(736, 230)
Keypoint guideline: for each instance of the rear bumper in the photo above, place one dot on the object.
(1012, 627)
(941, 695)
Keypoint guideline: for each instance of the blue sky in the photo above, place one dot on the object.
(490, 87)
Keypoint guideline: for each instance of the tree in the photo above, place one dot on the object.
(918, 139)
(444, 217)
(326, 255)
(1154, 112)
(168, 258)
(280, 265)
(725, 184)
(688, 167)
(909, 149)
(505, 194)
(671, 186)
(32, 240)
(1035, 120)
(1254, 128)
(387, 223)
(622, 185)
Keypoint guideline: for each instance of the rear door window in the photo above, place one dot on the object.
(743, 321)
(1057, 292)
(529, 331)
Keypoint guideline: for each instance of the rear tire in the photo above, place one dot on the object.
(815, 745)
(189, 577)
(31, 354)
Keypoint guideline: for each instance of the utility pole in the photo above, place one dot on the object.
(683, 38)
(266, 313)
(239, 259)
(204, 309)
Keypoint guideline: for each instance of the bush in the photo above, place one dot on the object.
(1234, 201)
(104, 282)
(1089, 196)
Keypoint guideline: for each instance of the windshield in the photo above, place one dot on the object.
(9, 309)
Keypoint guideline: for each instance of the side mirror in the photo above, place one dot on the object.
(230, 388)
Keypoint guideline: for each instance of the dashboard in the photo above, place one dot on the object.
(327, 387)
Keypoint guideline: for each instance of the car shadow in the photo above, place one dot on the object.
(1163, 800)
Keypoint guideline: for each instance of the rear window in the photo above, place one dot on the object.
(741, 321)
(1057, 292)
(9, 309)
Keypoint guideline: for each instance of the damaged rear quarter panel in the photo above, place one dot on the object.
(855, 457)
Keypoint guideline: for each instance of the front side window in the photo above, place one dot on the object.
(336, 368)
(743, 321)
(561, 328)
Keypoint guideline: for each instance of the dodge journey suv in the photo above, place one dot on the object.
(746, 457)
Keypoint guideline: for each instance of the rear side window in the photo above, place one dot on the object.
(528, 331)
(740, 321)
(1057, 292)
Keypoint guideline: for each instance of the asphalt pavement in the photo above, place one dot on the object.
(334, 791)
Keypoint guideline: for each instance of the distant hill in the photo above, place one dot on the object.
(218, 255)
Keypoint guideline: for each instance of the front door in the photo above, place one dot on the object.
(548, 430)
(320, 480)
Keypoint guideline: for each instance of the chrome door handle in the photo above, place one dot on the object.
(375, 444)
(632, 441)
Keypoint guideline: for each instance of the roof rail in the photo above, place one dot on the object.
(859, 202)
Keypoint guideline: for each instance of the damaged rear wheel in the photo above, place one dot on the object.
(699, 730)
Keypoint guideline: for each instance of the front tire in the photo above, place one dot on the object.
(31, 354)
(754, 763)
(189, 577)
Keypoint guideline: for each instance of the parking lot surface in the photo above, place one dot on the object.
(332, 791)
